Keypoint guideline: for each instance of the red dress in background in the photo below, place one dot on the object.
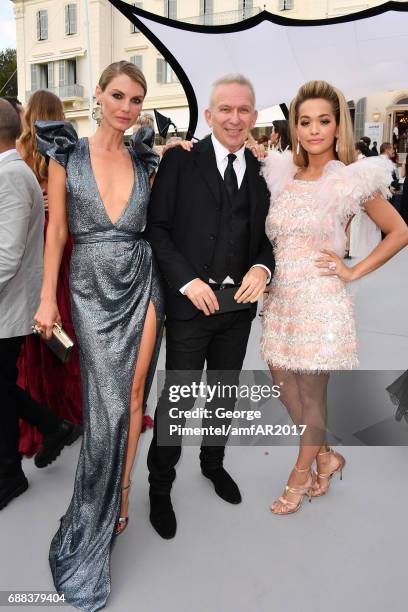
(43, 375)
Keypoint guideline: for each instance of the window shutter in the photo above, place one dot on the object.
(73, 19)
(71, 72)
(50, 69)
(286, 5)
(34, 77)
(44, 25)
(161, 67)
(43, 70)
(207, 10)
(137, 60)
(66, 9)
(61, 73)
(134, 29)
(245, 4)
(39, 25)
(172, 9)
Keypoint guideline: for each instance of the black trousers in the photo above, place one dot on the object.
(221, 342)
(15, 403)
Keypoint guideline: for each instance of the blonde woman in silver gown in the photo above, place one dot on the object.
(100, 189)
(309, 327)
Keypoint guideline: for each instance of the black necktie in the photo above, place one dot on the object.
(230, 178)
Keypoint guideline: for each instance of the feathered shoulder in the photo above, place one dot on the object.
(347, 188)
(278, 170)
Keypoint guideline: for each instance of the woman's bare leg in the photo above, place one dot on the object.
(306, 398)
(144, 358)
(289, 392)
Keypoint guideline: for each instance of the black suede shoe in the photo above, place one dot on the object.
(162, 515)
(224, 486)
(11, 487)
(65, 434)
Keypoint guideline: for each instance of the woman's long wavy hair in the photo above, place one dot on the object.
(345, 142)
(42, 105)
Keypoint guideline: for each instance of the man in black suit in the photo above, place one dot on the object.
(206, 225)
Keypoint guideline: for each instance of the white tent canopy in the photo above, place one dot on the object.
(360, 53)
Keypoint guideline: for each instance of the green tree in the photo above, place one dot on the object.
(8, 72)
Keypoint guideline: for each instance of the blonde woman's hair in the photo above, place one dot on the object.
(123, 67)
(345, 143)
(45, 106)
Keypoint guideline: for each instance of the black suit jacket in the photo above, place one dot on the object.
(184, 216)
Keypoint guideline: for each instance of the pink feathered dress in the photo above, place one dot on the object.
(308, 322)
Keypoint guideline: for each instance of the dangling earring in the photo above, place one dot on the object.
(337, 145)
(97, 113)
(298, 147)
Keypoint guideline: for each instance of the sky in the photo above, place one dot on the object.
(7, 25)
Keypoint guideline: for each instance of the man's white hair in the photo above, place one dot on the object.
(227, 79)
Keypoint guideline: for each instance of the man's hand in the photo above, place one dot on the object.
(202, 296)
(253, 285)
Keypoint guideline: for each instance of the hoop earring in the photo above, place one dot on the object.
(298, 147)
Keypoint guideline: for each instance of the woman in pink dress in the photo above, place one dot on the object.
(309, 326)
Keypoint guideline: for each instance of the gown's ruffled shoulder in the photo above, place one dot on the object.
(346, 188)
(142, 145)
(55, 140)
(278, 170)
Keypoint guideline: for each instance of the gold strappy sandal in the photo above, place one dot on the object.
(322, 489)
(123, 520)
(290, 507)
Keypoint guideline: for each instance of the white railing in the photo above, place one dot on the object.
(63, 91)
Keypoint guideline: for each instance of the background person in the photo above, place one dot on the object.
(21, 257)
(280, 137)
(41, 373)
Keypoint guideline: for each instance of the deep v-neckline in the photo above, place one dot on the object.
(125, 207)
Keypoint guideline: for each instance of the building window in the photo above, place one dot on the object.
(170, 9)
(286, 5)
(42, 25)
(165, 73)
(134, 29)
(67, 78)
(71, 19)
(42, 76)
(137, 60)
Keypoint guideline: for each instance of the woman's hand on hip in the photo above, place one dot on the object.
(332, 265)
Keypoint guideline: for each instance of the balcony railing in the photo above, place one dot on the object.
(63, 91)
(222, 18)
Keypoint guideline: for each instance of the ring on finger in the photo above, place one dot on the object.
(37, 329)
(332, 265)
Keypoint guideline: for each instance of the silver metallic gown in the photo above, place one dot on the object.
(113, 278)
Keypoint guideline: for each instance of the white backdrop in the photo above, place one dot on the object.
(360, 56)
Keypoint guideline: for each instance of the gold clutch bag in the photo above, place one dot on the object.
(59, 343)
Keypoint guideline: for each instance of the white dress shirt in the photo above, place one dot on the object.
(239, 165)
